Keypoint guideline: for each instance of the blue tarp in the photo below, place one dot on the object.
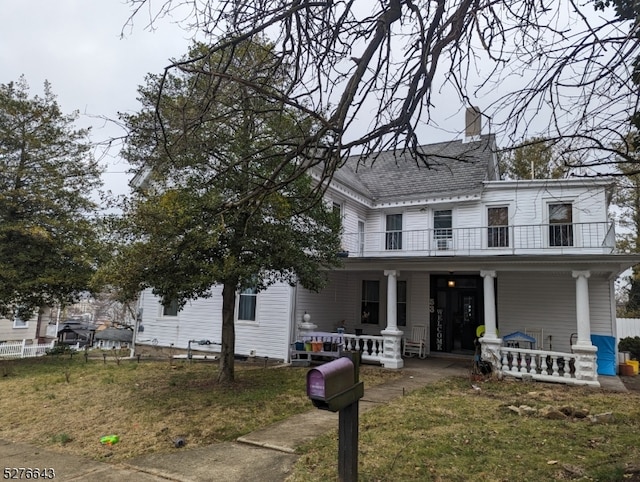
(606, 355)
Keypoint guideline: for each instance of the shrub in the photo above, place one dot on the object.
(59, 349)
(632, 345)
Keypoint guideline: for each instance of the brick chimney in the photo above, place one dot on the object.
(473, 124)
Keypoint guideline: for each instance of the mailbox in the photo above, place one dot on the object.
(333, 386)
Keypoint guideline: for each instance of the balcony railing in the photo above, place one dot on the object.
(576, 238)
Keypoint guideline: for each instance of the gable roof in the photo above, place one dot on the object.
(455, 168)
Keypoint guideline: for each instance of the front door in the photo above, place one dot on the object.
(457, 312)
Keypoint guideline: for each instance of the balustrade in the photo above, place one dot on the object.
(371, 346)
(539, 364)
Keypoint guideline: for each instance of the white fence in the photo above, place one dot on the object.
(20, 349)
(627, 327)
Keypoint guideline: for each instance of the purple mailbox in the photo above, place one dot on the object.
(333, 386)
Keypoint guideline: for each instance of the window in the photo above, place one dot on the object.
(401, 305)
(336, 208)
(393, 238)
(20, 323)
(171, 308)
(370, 306)
(498, 220)
(360, 237)
(442, 228)
(560, 225)
(247, 304)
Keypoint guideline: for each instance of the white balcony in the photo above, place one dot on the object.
(576, 238)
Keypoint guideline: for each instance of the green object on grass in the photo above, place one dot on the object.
(109, 439)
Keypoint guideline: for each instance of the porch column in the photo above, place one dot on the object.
(392, 299)
(585, 365)
(582, 307)
(490, 343)
(392, 337)
(490, 332)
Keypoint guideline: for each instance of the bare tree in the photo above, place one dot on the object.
(370, 73)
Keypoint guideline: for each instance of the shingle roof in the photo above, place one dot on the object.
(115, 334)
(454, 168)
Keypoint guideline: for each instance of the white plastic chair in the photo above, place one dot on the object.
(417, 343)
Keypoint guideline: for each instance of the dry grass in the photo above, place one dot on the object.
(69, 404)
(451, 432)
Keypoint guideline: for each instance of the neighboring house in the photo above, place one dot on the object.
(76, 333)
(113, 338)
(18, 329)
(452, 248)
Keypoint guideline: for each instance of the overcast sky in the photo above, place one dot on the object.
(76, 45)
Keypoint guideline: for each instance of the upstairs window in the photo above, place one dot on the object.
(393, 237)
(247, 304)
(360, 237)
(442, 228)
(560, 224)
(498, 220)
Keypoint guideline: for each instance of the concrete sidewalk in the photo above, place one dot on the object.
(266, 455)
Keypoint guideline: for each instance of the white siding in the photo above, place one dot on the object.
(269, 336)
(9, 333)
(415, 219)
(336, 302)
(547, 301)
(627, 327)
(418, 302)
(202, 319)
(340, 300)
(528, 202)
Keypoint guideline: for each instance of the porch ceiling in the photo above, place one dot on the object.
(610, 265)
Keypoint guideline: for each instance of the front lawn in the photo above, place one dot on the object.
(450, 431)
(69, 404)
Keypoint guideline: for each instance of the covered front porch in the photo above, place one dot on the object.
(558, 303)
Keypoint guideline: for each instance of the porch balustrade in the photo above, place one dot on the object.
(370, 346)
(548, 366)
(592, 238)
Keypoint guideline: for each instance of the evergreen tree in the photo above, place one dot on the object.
(219, 141)
(534, 158)
(48, 242)
(627, 198)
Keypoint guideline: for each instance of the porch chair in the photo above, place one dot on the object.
(417, 343)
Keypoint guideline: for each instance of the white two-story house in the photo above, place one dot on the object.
(452, 248)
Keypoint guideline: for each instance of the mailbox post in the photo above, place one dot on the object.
(335, 386)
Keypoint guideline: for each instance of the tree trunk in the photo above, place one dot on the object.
(227, 355)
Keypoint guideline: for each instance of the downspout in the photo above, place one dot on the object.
(292, 322)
